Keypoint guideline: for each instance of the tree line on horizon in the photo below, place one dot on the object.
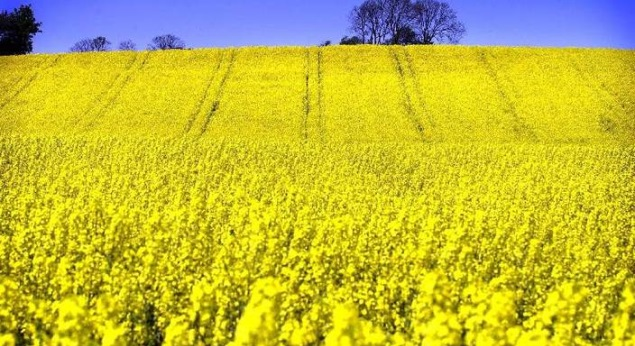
(404, 22)
(101, 44)
(397, 22)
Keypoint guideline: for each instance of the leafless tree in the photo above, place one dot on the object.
(366, 21)
(85, 45)
(395, 21)
(379, 21)
(399, 15)
(127, 45)
(101, 44)
(436, 21)
(97, 44)
(168, 41)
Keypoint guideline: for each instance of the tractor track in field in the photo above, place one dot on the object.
(320, 96)
(408, 102)
(201, 102)
(114, 89)
(520, 126)
(219, 93)
(418, 90)
(313, 127)
(306, 101)
(608, 98)
(24, 82)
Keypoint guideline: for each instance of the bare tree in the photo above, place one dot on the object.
(379, 21)
(367, 21)
(127, 45)
(168, 41)
(399, 16)
(360, 22)
(395, 21)
(101, 44)
(436, 21)
(85, 45)
(97, 44)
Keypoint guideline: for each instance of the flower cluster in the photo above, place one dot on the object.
(145, 241)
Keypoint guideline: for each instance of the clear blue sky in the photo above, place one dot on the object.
(221, 23)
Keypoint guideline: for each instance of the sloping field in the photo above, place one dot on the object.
(309, 196)
(341, 94)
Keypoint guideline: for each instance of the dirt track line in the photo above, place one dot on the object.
(418, 90)
(609, 99)
(29, 80)
(320, 96)
(520, 127)
(219, 94)
(410, 110)
(201, 102)
(114, 90)
(306, 102)
(125, 82)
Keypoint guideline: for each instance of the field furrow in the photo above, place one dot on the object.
(307, 97)
(520, 127)
(17, 86)
(363, 98)
(107, 99)
(217, 97)
(320, 96)
(616, 112)
(405, 77)
(313, 122)
(419, 94)
(344, 94)
(263, 99)
(204, 100)
(166, 108)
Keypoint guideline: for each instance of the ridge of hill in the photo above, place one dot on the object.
(331, 94)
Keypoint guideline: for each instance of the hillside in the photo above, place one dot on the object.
(386, 195)
(333, 94)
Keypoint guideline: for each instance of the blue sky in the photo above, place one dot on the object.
(214, 23)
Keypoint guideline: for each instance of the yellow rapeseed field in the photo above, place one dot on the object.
(307, 196)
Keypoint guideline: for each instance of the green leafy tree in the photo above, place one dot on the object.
(17, 30)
